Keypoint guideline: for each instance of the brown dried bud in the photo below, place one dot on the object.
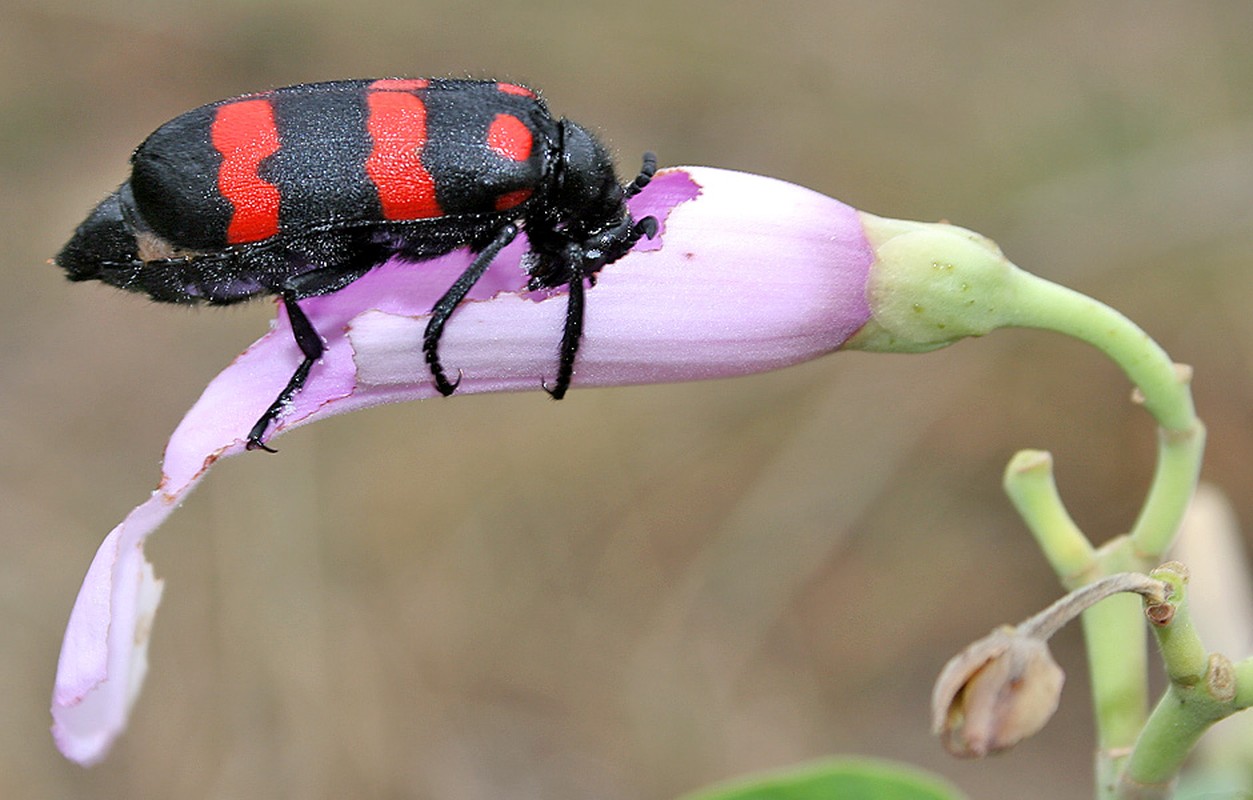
(995, 693)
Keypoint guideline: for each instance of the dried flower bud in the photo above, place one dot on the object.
(995, 693)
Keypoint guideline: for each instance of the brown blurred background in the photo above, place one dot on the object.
(636, 591)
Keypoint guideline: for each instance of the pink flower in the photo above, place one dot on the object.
(747, 274)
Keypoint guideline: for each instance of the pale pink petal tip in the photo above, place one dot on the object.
(105, 652)
(747, 274)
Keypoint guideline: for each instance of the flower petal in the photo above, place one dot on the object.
(746, 274)
(104, 656)
(752, 275)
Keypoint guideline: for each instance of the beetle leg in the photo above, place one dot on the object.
(646, 228)
(311, 346)
(571, 336)
(447, 304)
(613, 245)
(309, 284)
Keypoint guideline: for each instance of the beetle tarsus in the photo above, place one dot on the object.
(255, 443)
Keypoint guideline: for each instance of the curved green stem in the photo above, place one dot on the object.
(1164, 390)
(1113, 630)
(1161, 385)
(1179, 455)
(933, 284)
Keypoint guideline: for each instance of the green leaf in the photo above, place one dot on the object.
(835, 779)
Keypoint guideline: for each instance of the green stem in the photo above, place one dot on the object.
(1183, 654)
(1113, 630)
(1047, 305)
(1116, 642)
(1203, 689)
(1176, 724)
(933, 284)
(1186, 711)
(1179, 455)
(1243, 671)
(1162, 386)
(1030, 486)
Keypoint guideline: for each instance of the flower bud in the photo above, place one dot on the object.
(745, 274)
(995, 693)
(932, 284)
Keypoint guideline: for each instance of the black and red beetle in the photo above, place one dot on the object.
(299, 191)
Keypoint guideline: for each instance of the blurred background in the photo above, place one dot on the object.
(637, 591)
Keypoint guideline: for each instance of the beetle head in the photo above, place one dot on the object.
(587, 188)
(104, 243)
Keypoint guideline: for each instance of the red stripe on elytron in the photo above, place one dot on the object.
(510, 138)
(397, 127)
(244, 133)
(513, 199)
(400, 84)
(513, 88)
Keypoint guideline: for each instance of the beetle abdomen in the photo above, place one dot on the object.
(342, 154)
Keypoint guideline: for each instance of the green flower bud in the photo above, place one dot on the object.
(932, 284)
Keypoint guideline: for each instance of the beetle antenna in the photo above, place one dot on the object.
(646, 175)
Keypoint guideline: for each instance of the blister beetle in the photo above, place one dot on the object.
(300, 191)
